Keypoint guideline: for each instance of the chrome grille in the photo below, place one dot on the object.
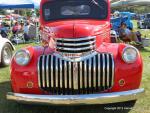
(75, 45)
(87, 76)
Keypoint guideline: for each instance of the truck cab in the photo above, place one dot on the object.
(76, 63)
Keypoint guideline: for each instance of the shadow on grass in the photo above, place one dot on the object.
(13, 107)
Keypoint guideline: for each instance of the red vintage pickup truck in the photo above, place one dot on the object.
(77, 63)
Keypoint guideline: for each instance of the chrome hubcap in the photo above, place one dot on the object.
(7, 55)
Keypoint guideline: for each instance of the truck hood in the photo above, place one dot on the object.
(76, 28)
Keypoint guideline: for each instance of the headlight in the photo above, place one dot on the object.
(22, 57)
(130, 54)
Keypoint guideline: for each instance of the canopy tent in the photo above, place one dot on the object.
(11, 4)
(130, 3)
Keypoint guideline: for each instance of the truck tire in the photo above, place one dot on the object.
(6, 54)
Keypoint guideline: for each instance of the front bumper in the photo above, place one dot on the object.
(104, 98)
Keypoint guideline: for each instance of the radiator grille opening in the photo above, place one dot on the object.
(89, 76)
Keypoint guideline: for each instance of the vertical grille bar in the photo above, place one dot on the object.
(61, 74)
(107, 70)
(52, 68)
(56, 72)
(113, 69)
(70, 75)
(99, 71)
(65, 73)
(89, 73)
(43, 71)
(63, 77)
(58, 89)
(75, 76)
(81, 75)
(47, 71)
(85, 74)
(39, 71)
(94, 72)
(103, 57)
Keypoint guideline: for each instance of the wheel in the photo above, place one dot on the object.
(6, 55)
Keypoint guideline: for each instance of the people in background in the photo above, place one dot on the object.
(124, 33)
(139, 36)
(26, 31)
(133, 35)
(5, 29)
(128, 35)
(16, 28)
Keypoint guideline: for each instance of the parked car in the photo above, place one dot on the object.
(77, 63)
(6, 51)
(144, 23)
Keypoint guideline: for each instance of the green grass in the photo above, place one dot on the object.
(142, 105)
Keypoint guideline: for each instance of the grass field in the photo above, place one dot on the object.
(142, 105)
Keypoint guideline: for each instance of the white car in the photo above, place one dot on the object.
(6, 51)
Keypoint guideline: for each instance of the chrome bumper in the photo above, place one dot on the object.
(103, 98)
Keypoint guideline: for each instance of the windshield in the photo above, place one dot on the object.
(75, 9)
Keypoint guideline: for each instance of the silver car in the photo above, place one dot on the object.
(6, 51)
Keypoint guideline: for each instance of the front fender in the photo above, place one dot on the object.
(131, 74)
(22, 75)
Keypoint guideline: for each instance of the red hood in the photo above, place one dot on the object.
(76, 28)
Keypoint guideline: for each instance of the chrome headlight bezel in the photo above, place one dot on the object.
(24, 59)
(132, 56)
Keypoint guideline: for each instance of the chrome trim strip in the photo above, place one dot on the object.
(103, 57)
(69, 75)
(47, 71)
(38, 65)
(65, 73)
(113, 70)
(75, 39)
(61, 79)
(81, 69)
(52, 67)
(76, 59)
(85, 74)
(94, 72)
(43, 71)
(77, 44)
(75, 49)
(99, 71)
(90, 85)
(108, 70)
(75, 76)
(56, 71)
(88, 99)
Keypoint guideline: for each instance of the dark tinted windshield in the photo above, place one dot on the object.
(75, 9)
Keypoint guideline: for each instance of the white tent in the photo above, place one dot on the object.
(122, 3)
(10, 4)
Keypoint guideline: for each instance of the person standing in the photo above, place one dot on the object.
(26, 31)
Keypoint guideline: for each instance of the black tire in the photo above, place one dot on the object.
(6, 54)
